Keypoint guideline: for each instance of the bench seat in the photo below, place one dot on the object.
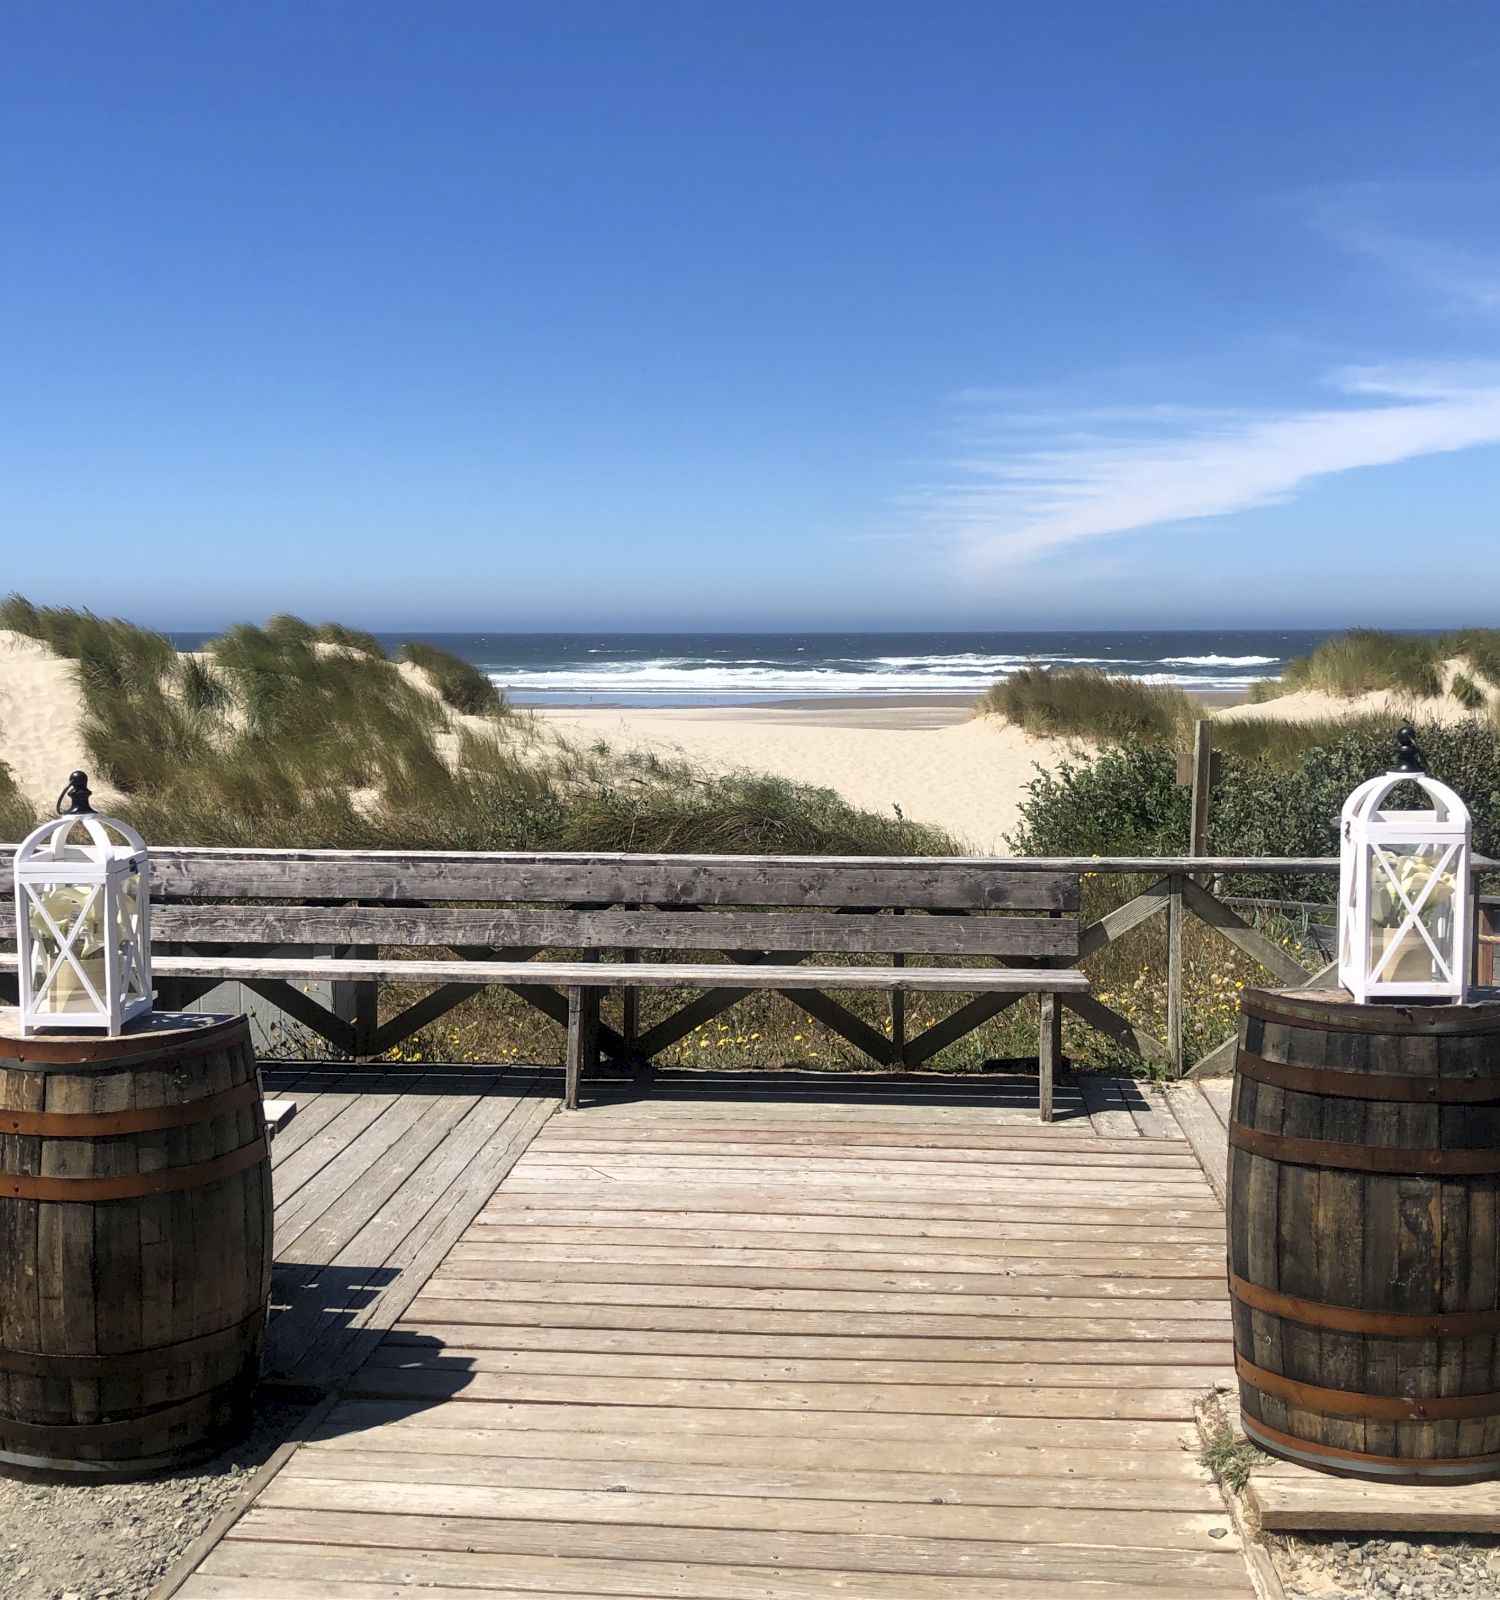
(559, 930)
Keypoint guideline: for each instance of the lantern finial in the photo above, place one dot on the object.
(77, 792)
(1409, 757)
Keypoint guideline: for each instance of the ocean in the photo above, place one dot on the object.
(682, 669)
(705, 669)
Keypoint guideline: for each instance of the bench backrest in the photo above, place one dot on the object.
(513, 901)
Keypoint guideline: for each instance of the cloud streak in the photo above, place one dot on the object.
(1108, 473)
(1357, 218)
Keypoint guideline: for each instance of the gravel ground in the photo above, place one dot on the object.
(1437, 1567)
(1332, 1566)
(114, 1541)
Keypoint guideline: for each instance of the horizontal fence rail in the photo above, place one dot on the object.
(378, 882)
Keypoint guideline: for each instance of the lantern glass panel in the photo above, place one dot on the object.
(1412, 891)
(69, 959)
(128, 936)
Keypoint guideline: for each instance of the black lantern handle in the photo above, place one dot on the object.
(78, 793)
(1409, 757)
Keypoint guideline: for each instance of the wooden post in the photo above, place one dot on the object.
(366, 1009)
(1203, 752)
(1174, 972)
(583, 1041)
(898, 1020)
(1486, 936)
(1049, 1051)
(630, 1023)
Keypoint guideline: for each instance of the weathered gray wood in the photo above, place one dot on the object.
(1110, 1023)
(977, 884)
(420, 1014)
(1203, 765)
(1049, 1051)
(1123, 918)
(1176, 898)
(196, 863)
(297, 1005)
(843, 1022)
(1105, 1104)
(1205, 1134)
(591, 928)
(1239, 933)
(649, 975)
(897, 1004)
(952, 1028)
(583, 1047)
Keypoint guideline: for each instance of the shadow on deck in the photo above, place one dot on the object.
(375, 1177)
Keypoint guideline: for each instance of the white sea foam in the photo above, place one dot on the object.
(968, 673)
(1217, 661)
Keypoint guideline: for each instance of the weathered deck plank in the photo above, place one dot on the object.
(377, 1176)
(722, 1345)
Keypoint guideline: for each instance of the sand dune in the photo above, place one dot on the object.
(1314, 705)
(967, 777)
(932, 761)
(40, 717)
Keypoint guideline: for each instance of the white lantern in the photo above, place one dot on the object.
(83, 920)
(1404, 889)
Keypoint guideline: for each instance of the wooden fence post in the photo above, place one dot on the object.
(1174, 972)
(1203, 761)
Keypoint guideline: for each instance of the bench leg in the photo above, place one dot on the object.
(630, 1031)
(1049, 1051)
(583, 1041)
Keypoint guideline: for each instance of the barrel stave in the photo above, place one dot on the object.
(19, 1285)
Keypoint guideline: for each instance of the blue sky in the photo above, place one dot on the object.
(752, 315)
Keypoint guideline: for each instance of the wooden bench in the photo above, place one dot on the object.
(502, 919)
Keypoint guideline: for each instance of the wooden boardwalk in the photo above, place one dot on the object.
(375, 1177)
(781, 1338)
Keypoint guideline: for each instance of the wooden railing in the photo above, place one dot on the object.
(1177, 892)
(1178, 888)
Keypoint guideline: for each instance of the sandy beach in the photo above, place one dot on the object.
(934, 760)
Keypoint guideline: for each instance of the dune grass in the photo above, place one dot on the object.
(1366, 659)
(1083, 702)
(1103, 708)
(459, 683)
(346, 638)
(18, 816)
(270, 738)
(1468, 693)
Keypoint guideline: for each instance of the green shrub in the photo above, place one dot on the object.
(1126, 801)
(459, 683)
(1085, 703)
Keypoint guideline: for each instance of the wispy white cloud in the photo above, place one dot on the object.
(1103, 472)
(1406, 230)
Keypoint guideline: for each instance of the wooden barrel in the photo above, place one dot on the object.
(1364, 1234)
(135, 1243)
